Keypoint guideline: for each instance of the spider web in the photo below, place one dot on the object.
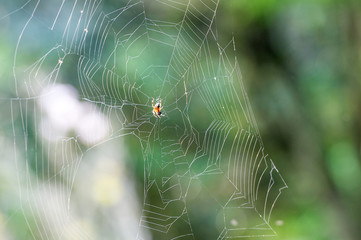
(204, 160)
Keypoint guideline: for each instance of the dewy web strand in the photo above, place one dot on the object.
(204, 152)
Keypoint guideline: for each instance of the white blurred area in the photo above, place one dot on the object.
(112, 201)
(89, 194)
(105, 195)
(64, 114)
(103, 202)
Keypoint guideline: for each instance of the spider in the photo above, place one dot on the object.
(157, 108)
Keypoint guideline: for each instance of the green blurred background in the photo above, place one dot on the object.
(300, 62)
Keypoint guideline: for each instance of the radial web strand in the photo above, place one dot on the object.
(90, 84)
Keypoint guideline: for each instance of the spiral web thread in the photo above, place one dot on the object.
(124, 56)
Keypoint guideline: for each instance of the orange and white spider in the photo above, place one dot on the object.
(157, 108)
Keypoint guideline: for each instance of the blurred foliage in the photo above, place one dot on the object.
(300, 62)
